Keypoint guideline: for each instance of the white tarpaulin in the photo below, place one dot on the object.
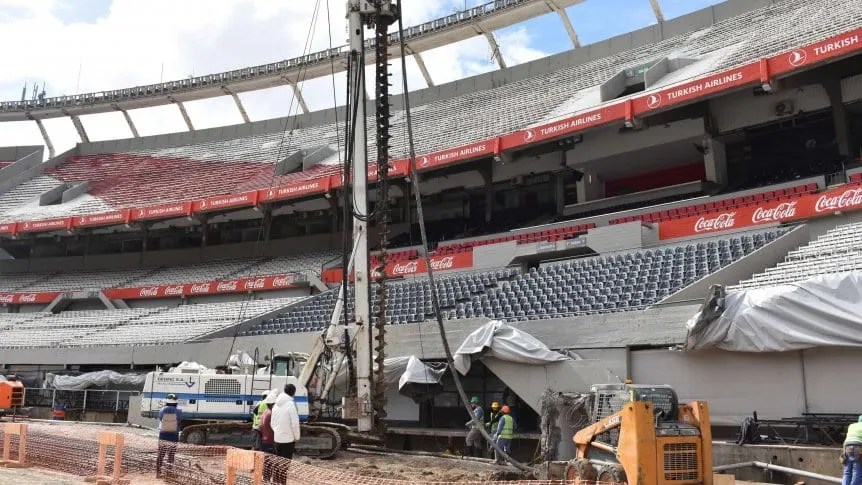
(420, 380)
(393, 367)
(824, 311)
(496, 339)
(104, 378)
(418, 372)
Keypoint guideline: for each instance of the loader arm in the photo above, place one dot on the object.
(585, 438)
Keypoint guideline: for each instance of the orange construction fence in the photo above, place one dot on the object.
(137, 457)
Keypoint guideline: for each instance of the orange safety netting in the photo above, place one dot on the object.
(91, 453)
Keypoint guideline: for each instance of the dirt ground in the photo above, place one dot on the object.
(412, 468)
(41, 476)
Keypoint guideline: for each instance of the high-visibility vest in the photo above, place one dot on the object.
(854, 434)
(255, 419)
(508, 424)
(492, 423)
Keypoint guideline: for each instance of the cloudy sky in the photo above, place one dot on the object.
(80, 46)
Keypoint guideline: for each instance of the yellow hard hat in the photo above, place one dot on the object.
(495, 405)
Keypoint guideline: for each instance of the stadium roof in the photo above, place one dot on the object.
(480, 20)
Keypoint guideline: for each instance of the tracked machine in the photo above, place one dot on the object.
(217, 407)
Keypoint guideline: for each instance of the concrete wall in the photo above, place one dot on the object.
(609, 142)
(741, 109)
(618, 237)
(17, 153)
(661, 327)
(776, 385)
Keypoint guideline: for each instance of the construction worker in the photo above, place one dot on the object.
(850, 457)
(491, 425)
(170, 419)
(505, 433)
(256, 414)
(267, 437)
(473, 442)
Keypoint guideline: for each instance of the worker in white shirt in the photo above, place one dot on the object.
(285, 424)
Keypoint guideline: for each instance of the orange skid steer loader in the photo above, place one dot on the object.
(641, 435)
(11, 395)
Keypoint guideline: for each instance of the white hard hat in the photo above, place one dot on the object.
(271, 396)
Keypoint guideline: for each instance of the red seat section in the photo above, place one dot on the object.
(396, 256)
(698, 209)
(555, 234)
(125, 180)
(856, 178)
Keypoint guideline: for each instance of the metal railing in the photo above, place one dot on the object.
(836, 178)
(273, 68)
(80, 401)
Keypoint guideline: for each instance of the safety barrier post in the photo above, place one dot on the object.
(244, 460)
(10, 430)
(116, 440)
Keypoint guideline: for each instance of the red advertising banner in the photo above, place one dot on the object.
(28, 298)
(163, 211)
(397, 168)
(438, 263)
(566, 126)
(239, 285)
(481, 149)
(45, 225)
(830, 48)
(698, 88)
(7, 228)
(295, 189)
(847, 198)
(106, 219)
(229, 201)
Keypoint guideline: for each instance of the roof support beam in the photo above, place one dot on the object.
(45, 136)
(421, 63)
(656, 8)
(128, 121)
(76, 120)
(297, 93)
(495, 48)
(567, 23)
(238, 102)
(183, 112)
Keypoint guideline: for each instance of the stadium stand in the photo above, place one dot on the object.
(121, 180)
(142, 326)
(839, 250)
(624, 281)
(166, 275)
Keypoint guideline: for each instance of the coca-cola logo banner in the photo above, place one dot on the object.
(242, 285)
(438, 263)
(28, 298)
(847, 198)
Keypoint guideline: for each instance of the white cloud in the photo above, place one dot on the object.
(136, 43)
